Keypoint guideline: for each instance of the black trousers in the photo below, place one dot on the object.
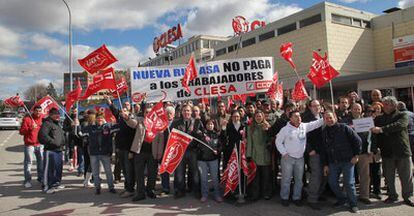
(375, 171)
(262, 183)
(189, 161)
(142, 160)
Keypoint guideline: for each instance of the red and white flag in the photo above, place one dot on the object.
(73, 96)
(177, 144)
(230, 176)
(299, 92)
(189, 74)
(205, 101)
(286, 52)
(97, 60)
(121, 87)
(109, 117)
(249, 169)
(321, 72)
(155, 121)
(46, 103)
(14, 101)
(103, 80)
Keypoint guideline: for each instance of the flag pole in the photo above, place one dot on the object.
(332, 96)
(25, 107)
(60, 107)
(119, 99)
(240, 199)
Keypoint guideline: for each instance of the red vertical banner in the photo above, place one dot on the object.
(230, 176)
(177, 144)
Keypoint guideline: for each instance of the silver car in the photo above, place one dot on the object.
(9, 120)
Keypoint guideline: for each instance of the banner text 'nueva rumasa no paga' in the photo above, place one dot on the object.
(215, 78)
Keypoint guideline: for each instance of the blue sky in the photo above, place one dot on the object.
(34, 33)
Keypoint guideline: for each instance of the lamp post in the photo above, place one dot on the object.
(70, 45)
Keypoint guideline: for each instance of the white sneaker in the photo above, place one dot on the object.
(60, 187)
(27, 185)
(50, 191)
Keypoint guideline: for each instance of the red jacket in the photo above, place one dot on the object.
(30, 133)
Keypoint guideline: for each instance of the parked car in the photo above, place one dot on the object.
(10, 120)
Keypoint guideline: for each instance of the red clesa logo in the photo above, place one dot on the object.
(241, 25)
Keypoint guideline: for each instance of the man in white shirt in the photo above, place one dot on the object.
(291, 143)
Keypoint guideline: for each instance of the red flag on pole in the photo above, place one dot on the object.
(249, 169)
(46, 103)
(189, 74)
(109, 117)
(73, 96)
(299, 92)
(121, 87)
(14, 101)
(286, 52)
(177, 143)
(231, 174)
(205, 101)
(97, 60)
(321, 72)
(103, 80)
(155, 121)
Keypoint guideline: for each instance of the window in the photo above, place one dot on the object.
(341, 19)
(232, 48)
(205, 44)
(366, 24)
(266, 35)
(197, 44)
(221, 52)
(309, 21)
(248, 42)
(357, 22)
(286, 29)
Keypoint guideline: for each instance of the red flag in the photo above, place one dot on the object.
(231, 174)
(109, 117)
(321, 72)
(248, 169)
(103, 80)
(14, 101)
(189, 74)
(279, 94)
(286, 52)
(121, 87)
(46, 103)
(205, 101)
(178, 142)
(299, 92)
(97, 60)
(155, 121)
(229, 102)
(73, 96)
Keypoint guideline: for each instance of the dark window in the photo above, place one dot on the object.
(232, 48)
(341, 19)
(286, 29)
(266, 35)
(248, 42)
(366, 24)
(309, 21)
(357, 22)
(221, 52)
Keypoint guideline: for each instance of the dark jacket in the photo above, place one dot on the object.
(125, 136)
(232, 137)
(363, 135)
(340, 144)
(278, 125)
(99, 138)
(194, 128)
(394, 141)
(212, 139)
(313, 138)
(51, 135)
(68, 128)
(410, 127)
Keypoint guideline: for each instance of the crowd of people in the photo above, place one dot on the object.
(311, 146)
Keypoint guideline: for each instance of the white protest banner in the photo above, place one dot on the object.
(363, 124)
(224, 78)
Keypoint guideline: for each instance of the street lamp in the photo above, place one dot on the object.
(35, 86)
(70, 45)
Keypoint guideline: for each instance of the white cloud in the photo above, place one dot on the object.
(9, 42)
(405, 3)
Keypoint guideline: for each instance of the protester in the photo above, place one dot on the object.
(73, 143)
(342, 111)
(392, 136)
(99, 137)
(53, 137)
(208, 161)
(317, 182)
(233, 136)
(291, 143)
(341, 147)
(258, 150)
(403, 108)
(89, 119)
(376, 96)
(221, 117)
(30, 127)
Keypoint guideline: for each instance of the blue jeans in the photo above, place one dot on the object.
(291, 167)
(81, 161)
(52, 169)
(205, 167)
(106, 163)
(29, 152)
(347, 170)
(165, 181)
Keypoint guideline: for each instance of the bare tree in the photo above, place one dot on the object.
(35, 92)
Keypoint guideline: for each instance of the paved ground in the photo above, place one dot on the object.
(75, 200)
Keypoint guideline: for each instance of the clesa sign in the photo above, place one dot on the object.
(167, 37)
(241, 25)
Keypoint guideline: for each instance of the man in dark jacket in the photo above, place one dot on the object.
(194, 127)
(52, 136)
(123, 142)
(403, 108)
(340, 150)
(392, 137)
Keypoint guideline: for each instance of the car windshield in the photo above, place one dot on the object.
(8, 115)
